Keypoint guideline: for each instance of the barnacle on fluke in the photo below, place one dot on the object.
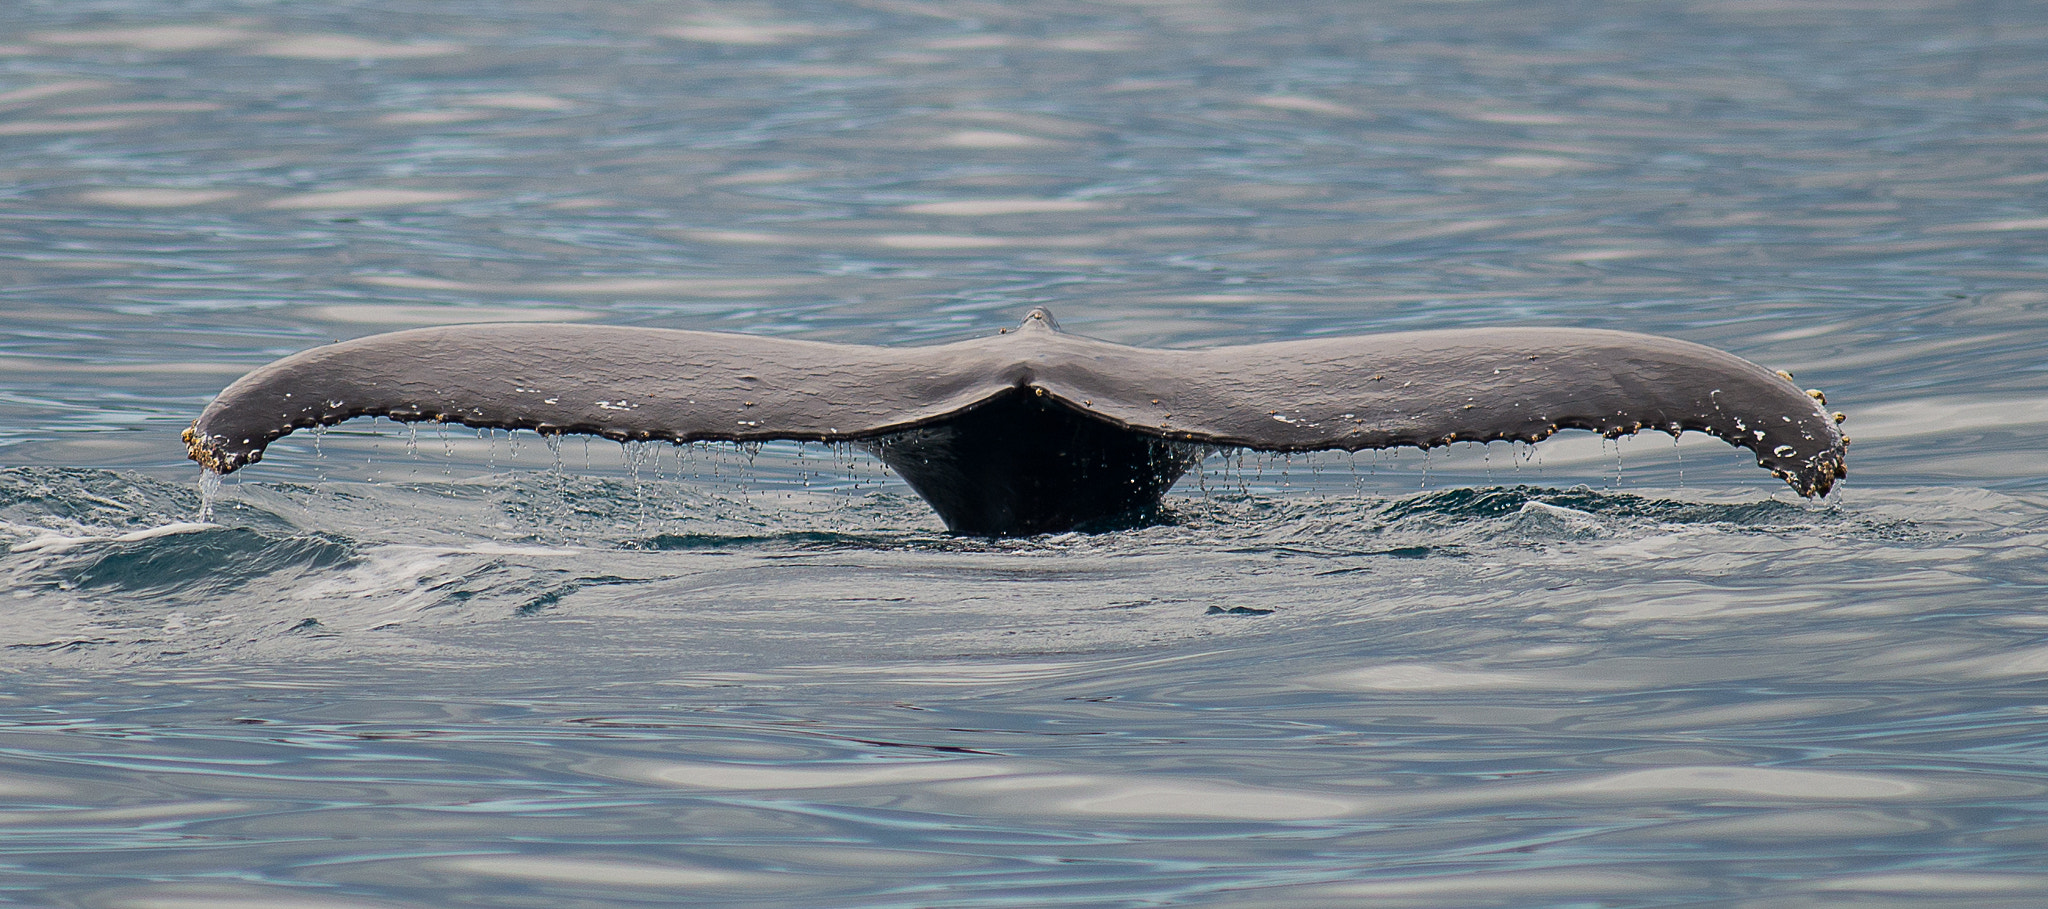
(1035, 430)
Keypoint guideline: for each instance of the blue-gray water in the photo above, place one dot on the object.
(447, 669)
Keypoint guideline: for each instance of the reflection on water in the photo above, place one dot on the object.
(410, 667)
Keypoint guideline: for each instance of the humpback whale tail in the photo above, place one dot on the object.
(1035, 430)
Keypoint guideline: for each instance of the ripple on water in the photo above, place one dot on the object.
(1587, 673)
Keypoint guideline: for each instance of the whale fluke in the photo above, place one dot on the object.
(1034, 430)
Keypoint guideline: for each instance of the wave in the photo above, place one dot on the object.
(107, 568)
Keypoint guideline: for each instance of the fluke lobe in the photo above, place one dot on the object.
(1035, 430)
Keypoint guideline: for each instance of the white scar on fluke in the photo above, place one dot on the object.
(1034, 430)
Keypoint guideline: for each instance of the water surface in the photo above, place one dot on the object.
(441, 668)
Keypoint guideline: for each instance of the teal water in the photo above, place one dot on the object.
(398, 668)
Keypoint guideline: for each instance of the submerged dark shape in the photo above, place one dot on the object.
(1035, 430)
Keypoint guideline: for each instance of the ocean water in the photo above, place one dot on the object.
(399, 667)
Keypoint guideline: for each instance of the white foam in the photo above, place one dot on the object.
(59, 543)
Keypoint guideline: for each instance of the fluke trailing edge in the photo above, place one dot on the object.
(1035, 430)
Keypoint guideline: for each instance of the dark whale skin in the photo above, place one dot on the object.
(1035, 430)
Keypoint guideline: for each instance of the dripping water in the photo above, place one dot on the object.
(209, 493)
(848, 459)
(319, 456)
(636, 454)
(750, 450)
(412, 451)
